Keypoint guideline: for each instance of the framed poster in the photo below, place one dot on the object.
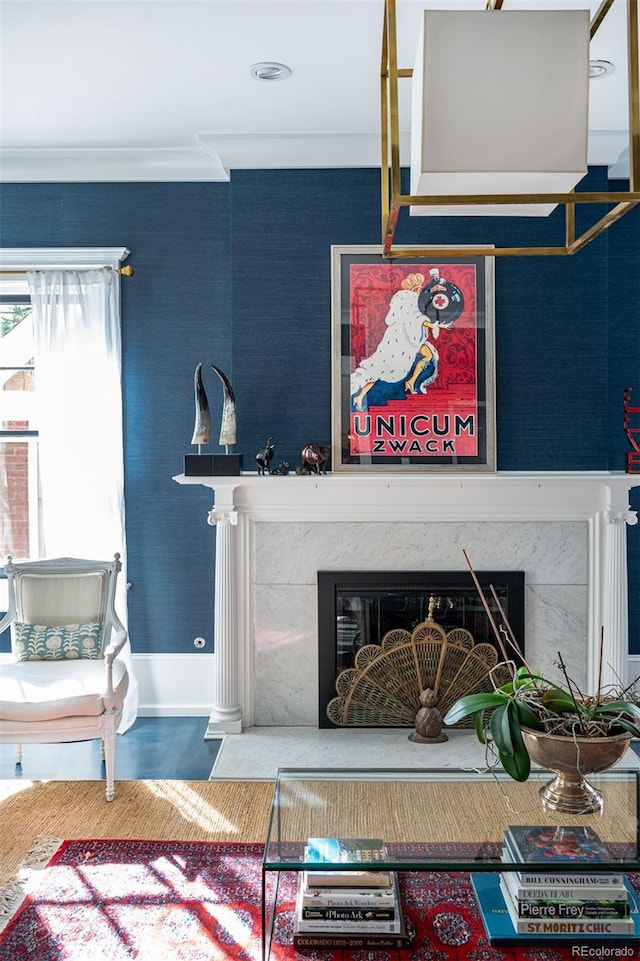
(412, 362)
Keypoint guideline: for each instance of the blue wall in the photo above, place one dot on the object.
(239, 275)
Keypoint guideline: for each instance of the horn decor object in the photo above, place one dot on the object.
(228, 422)
(202, 426)
(208, 465)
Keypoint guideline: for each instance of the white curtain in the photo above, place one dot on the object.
(77, 337)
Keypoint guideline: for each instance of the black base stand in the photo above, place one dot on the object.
(212, 465)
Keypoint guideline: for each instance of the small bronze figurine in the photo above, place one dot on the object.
(314, 458)
(265, 456)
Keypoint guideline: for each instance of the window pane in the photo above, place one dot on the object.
(19, 494)
(19, 498)
(16, 367)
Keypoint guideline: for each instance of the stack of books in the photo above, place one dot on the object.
(349, 909)
(573, 903)
(557, 906)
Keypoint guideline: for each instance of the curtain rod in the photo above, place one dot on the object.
(126, 271)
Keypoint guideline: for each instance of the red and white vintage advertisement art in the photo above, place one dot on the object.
(414, 360)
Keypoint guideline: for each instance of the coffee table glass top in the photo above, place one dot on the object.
(441, 819)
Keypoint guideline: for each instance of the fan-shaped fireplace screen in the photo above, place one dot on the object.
(384, 637)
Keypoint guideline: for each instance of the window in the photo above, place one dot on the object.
(19, 480)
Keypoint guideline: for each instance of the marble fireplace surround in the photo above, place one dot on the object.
(567, 531)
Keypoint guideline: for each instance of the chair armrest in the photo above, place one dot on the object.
(110, 654)
(116, 646)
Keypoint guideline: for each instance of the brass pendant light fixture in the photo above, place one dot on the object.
(524, 134)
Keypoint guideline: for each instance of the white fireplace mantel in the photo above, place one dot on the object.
(599, 499)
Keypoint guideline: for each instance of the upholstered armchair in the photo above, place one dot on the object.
(64, 680)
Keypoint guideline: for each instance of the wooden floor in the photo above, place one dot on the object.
(153, 748)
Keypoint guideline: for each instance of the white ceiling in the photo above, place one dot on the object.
(160, 90)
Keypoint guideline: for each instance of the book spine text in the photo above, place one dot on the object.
(348, 913)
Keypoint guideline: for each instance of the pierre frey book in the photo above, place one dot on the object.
(571, 907)
(363, 851)
(540, 843)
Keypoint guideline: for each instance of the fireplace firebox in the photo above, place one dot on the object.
(356, 608)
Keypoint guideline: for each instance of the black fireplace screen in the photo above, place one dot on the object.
(356, 608)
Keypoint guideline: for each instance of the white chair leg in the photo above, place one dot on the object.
(18, 753)
(109, 745)
(101, 749)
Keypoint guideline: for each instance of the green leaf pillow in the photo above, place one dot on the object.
(36, 642)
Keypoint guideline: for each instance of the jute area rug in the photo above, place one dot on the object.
(157, 810)
(165, 814)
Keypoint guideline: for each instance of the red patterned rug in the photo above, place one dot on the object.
(193, 901)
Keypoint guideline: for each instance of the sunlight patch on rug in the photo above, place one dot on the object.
(191, 806)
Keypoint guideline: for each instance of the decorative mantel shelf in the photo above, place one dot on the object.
(601, 499)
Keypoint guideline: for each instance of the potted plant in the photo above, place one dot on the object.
(557, 726)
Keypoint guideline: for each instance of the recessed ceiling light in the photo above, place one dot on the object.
(600, 68)
(269, 70)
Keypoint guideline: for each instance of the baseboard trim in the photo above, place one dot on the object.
(174, 684)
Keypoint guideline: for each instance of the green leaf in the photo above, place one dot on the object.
(517, 765)
(526, 716)
(628, 726)
(472, 704)
(560, 701)
(478, 723)
(501, 730)
(524, 678)
(617, 707)
(516, 762)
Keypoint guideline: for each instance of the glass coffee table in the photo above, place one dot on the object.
(434, 820)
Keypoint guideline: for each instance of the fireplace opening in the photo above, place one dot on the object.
(356, 608)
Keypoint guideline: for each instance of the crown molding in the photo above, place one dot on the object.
(124, 164)
(216, 155)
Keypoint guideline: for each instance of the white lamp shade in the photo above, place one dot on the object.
(500, 104)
